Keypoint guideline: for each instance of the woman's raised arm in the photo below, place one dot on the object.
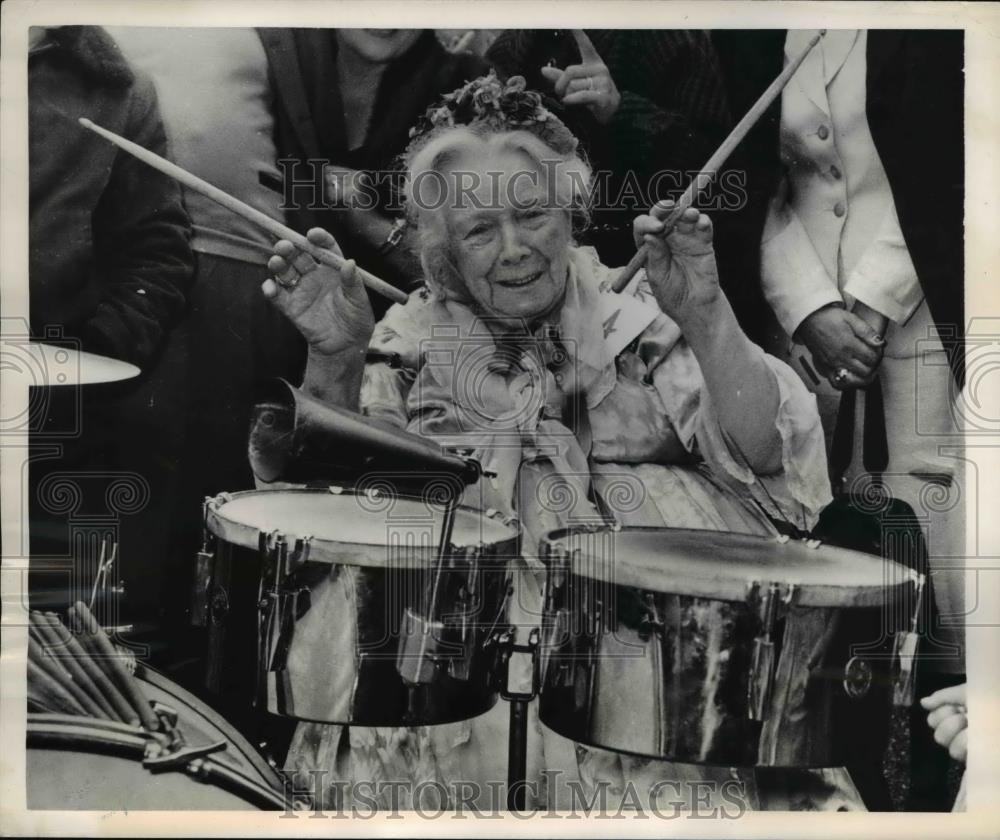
(682, 272)
(331, 310)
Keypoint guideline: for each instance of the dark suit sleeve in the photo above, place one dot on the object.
(916, 114)
(141, 243)
(673, 111)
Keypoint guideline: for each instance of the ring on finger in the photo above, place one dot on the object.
(590, 83)
(840, 377)
(289, 282)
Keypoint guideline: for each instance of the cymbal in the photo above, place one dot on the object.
(65, 366)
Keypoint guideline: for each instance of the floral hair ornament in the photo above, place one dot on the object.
(489, 104)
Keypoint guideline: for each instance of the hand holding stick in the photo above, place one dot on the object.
(249, 213)
(705, 176)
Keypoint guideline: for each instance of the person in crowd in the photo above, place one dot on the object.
(719, 434)
(948, 716)
(366, 88)
(229, 340)
(467, 40)
(109, 259)
(862, 276)
(648, 106)
(110, 264)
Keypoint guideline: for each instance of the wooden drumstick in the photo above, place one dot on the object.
(112, 660)
(55, 669)
(49, 692)
(78, 661)
(123, 709)
(249, 213)
(705, 176)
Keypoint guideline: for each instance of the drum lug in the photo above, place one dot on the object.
(282, 561)
(556, 560)
(204, 567)
(417, 657)
(761, 677)
(460, 664)
(905, 652)
(300, 554)
(275, 606)
(204, 572)
(650, 622)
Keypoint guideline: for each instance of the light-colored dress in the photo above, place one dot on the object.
(640, 439)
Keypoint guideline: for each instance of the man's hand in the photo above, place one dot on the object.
(841, 341)
(948, 718)
(588, 83)
(329, 307)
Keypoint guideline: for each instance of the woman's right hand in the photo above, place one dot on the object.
(329, 307)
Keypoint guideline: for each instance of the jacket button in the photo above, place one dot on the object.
(836, 173)
(823, 132)
(839, 209)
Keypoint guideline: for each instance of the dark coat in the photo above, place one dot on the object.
(915, 95)
(672, 115)
(110, 259)
(310, 123)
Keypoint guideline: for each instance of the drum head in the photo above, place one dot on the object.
(354, 528)
(724, 566)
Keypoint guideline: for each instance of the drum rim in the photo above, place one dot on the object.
(45, 730)
(737, 589)
(338, 552)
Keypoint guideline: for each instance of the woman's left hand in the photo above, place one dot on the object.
(948, 718)
(588, 83)
(680, 264)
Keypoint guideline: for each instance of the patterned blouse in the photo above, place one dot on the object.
(602, 412)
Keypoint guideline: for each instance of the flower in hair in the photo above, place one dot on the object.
(498, 105)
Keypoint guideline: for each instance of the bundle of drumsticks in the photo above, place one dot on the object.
(81, 672)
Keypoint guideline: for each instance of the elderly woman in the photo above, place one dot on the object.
(553, 381)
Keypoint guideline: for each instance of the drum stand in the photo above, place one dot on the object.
(517, 667)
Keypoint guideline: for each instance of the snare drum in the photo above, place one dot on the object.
(82, 763)
(716, 648)
(355, 625)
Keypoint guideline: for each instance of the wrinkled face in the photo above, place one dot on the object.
(378, 46)
(510, 246)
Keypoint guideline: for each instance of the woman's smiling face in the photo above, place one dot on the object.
(509, 240)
